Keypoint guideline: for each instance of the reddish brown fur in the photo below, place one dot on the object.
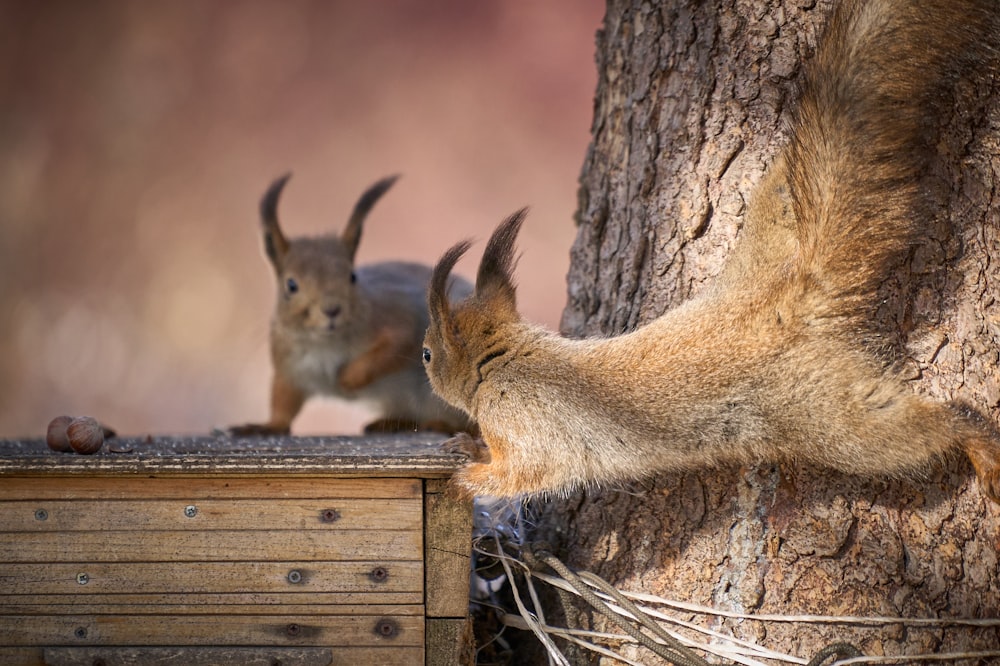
(767, 363)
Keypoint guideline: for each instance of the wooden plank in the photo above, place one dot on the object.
(447, 558)
(450, 642)
(211, 578)
(232, 603)
(190, 656)
(194, 514)
(22, 656)
(182, 604)
(179, 546)
(201, 656)
(383, 455)
(213, 630)
(70, 488)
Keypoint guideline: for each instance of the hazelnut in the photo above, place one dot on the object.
(55, 436)
(85, 435)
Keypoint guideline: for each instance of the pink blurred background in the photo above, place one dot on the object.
(137, 137)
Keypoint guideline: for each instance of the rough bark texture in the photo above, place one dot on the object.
(691, 105)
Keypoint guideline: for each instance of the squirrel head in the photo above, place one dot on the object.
(317, 283)
(463, 337)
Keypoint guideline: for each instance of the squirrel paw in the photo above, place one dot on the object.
(473, 447)
(985, 457)
(255, 430)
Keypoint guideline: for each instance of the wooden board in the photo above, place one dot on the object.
(231, 603)
(204, 656)
(182, 546)
(209, 578)
(383, 455)
(199, 514)
(151, 488)
(447, 568)
(214, 630)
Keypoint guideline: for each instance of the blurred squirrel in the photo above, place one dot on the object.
(352, 333)
(767, 363)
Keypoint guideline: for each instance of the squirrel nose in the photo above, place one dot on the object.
(332, 311)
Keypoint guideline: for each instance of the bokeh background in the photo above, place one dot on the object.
(137, 137)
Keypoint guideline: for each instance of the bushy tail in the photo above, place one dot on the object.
(872, 100)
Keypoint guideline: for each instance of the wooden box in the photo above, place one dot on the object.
(180, 551)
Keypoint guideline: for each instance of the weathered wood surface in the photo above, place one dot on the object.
(447, 553)
(415, 455)
(450, 643)
(165, 577)
(190, 514)
(177, 546)
(322, 603)
(231, 603)
(130, 487)
(205, 656)
(194, 656)
(216, 630)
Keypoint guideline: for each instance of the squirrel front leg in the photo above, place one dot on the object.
(389, 352)
(498, 468)
(286, 403)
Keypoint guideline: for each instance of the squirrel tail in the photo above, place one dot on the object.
(864, 130)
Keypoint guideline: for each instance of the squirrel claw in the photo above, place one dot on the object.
(474, 447)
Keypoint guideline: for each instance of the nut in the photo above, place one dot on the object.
(85, 435)
(55, 436)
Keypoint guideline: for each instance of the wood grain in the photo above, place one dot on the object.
(178, 546)
(209, 578)
(214, 630)
(129, 487)
(244, 514)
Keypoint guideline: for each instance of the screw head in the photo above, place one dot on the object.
(386, 628)
(80, 632)
(82, 578)
(379, 574)
(41, 514)
(191, 511)
(294, 576)
(329, 516)
(293, 630)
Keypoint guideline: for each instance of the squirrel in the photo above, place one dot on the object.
(349, 332)
(768, 363)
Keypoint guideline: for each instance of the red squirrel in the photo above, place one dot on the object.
(349, 332)
(766, 364)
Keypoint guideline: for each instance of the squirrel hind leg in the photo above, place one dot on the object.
(981, 443)
(984, 453)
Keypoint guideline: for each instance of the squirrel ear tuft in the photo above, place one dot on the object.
(495, 280)
(437, 292)
(352, 232)
(275, 243)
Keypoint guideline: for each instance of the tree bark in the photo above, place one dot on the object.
(691, 105)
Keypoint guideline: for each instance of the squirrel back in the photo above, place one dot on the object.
(351, 332)
(766, 364)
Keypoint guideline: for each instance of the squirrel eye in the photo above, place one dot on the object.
(427, 355)
(291, 285)
(354, 277)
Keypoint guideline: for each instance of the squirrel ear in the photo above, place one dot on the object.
(275, 243)
(352, 232)
(437, 292)
(495, 280)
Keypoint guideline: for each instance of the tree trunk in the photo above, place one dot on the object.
(690, 107)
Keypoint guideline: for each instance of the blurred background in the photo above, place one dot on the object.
(136, 139)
